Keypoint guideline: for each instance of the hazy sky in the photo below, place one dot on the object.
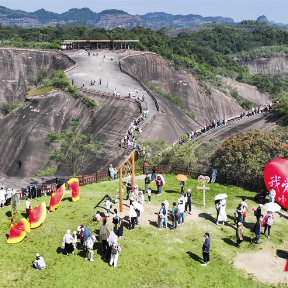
(237, 9)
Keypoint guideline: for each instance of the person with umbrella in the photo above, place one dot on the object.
(222, 213)
(182, 180)
(218, 198)
(268, 222)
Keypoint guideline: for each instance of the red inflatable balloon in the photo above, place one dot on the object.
(276, 176)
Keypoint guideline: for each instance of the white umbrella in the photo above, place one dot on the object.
(138, 206)
(162, 178)
(220, 196)
(273, 207)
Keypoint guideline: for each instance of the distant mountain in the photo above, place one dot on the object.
(109, 19)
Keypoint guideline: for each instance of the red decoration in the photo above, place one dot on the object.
(276, 176)
(73, 183)
(15, 235)
(56, 197)
(37, 215)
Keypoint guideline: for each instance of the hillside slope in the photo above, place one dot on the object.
(156, 70)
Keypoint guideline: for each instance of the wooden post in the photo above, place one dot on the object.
(133, 168)
(120, 189)
(97, 177)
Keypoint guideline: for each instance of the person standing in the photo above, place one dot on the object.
(116, 249)
(217, 206)
(39, 263)
(174, 216)
(100, 81)
(268, 222)
(147, 182)
(257, 231)
(111, 171)
(149, 194)
(181, 208)
(238, 214)
(120, 224)
(89, 245)
(272, 195)
(103, 235)
(145, 167)
(58, 183)
(258, 212)
(239, 235)
(206, 249)
(28, 204)
(132, 216)
(244, 208)
(143, 98)
(222, 213)
(188, 201)
(115, 219)
(214, 173)
(129, 188)
(153, 176)
(86, 233)
(159, 184)
(74, 241)
(67, 240)
(2, 199)
(163, 216)
(108, 205)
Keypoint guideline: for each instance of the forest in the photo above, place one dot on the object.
(207, 54)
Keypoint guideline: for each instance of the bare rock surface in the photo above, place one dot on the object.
(249, 92)
(23, 131)
(160, 72)
(19, 67)
(273, 65)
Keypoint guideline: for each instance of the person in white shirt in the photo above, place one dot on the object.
(108, 204)
(2, 197)
(181, 207)
(149, 194)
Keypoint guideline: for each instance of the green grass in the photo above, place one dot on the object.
(149, 258)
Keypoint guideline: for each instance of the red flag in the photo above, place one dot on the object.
(56, 197)
(73, 183)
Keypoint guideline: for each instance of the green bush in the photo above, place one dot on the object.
(47, 172)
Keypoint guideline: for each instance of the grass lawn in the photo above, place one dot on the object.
(149, 257)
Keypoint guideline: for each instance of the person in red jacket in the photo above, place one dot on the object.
(159, 184)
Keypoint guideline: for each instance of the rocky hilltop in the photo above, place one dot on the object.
(154, 69)
(18, 71)
(273, 65)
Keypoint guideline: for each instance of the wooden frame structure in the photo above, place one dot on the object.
(120, 178)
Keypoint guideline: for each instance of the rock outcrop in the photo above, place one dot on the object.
(248, 92)
(160, 72)
(23, 132)
(18, 71)
(273, 65)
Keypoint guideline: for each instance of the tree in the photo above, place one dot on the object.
(74, 149)
(246, 154)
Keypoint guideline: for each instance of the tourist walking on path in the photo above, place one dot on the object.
(115, 251)
(103, 235)
(175, 213)
(159, 184)
(188, 201)
(153, 176)
(244, 208)
(67, 241)
(100, 81)
(115, 219)
(206, 249)
(257, 231)
(239, 235)
(147, 182)
(39, 262)
(129, 188)
(222, 217)
(258, 212)
(181, 208)
(89, 245)
(268, 222)
(74, 241)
